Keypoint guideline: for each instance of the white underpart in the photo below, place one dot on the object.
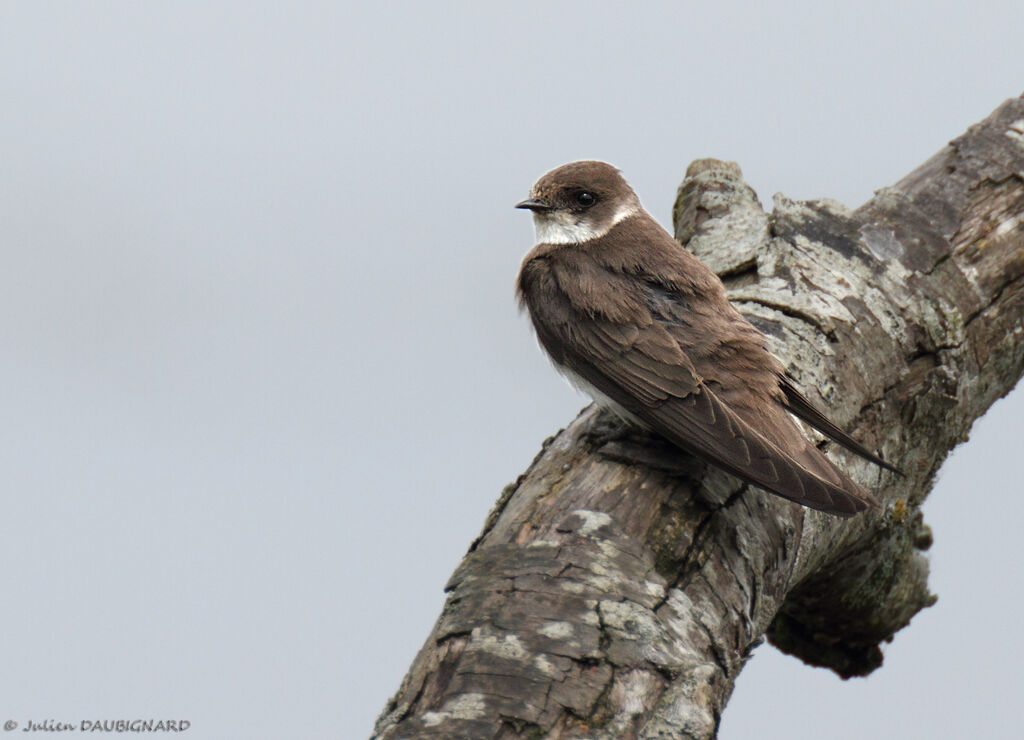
(600, 398)
(563, 227)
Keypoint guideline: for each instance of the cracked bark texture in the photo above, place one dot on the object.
(618, 587)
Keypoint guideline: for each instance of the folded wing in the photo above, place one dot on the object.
(643, 368)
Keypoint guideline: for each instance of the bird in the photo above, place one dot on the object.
(640, 324)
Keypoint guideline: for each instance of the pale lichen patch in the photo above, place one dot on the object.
(1008, 225)
(430, 719)
(654, 589)
(600, 583)
(592, 520)
(573, 587)
(882, 242)
(1015, 131)
(463, 706)
(557, 630)
(630, 691)
(546, 667)
(630, 618)
(505, 646)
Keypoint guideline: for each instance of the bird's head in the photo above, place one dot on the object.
(578, 202)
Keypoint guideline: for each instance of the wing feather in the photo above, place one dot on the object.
(644, 369)
(702, 425)
(798, 404)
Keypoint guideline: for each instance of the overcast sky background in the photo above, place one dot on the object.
(262, 375)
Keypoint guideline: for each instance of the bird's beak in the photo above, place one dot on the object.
(534, 204)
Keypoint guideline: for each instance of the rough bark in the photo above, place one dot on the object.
(618, 588)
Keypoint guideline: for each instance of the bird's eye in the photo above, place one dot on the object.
(586, 199)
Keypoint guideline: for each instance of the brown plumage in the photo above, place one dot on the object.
(641, 324)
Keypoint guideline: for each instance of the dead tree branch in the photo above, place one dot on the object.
(616, 591)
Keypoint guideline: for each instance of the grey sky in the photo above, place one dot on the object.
(262, 373)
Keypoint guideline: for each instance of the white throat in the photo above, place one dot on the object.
(562, 227)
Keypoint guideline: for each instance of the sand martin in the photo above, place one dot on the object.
(635, 320)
